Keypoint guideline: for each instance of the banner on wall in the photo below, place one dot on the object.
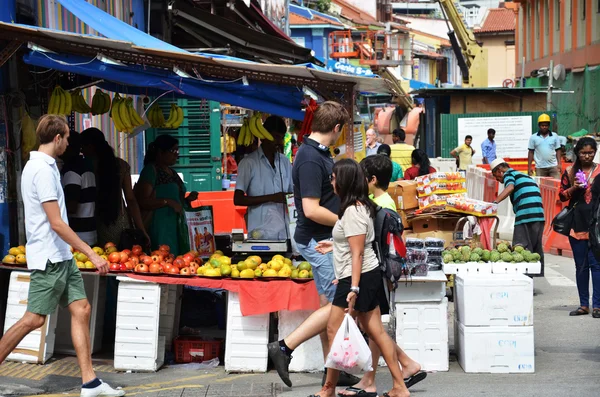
(346, 68)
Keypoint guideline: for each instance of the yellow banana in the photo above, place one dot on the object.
(115, 115)
(68, 103)
(124, 115)
(106, 103)
(54, 101)
(98, 102)
(28, 136)
(263, 131)
(240, 138)
(253, 128)
(249, 136)
(179, 118)
(172, 116)
(150, 116)
(133, 114)
(160, 117)
(61, 102)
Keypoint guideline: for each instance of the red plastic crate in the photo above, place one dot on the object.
(189, 349)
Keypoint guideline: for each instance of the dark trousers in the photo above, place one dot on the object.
(529, 236)
(585, 261)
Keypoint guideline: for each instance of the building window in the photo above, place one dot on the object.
(570, 12)
(537, 19)
(583, 5)
(547, 20)
(299, 40)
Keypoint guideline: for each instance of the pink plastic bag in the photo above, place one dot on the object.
(349, 351)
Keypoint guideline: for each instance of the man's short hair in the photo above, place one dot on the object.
(379, 166)
(491, 131)
(399, 133)
(328, 115)
(49, 126)
(468, 137)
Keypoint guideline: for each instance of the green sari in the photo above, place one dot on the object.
(167, 226)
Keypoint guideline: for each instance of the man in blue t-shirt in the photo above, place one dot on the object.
(544, 147)
(526, 199)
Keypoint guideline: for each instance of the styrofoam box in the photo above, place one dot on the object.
(38, 346)
(494, 299)
(138, 345)
(417, 291)
(520, 268)
(500, 349)
(467, 268)
(422, 332)
(169, 319)
(308, 356)
(95, 290)
(246, 339)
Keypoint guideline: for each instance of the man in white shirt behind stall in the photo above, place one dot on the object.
(264, 178)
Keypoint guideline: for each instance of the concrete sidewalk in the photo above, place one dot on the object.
(567, 363)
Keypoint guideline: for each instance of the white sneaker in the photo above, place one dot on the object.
(103, 390)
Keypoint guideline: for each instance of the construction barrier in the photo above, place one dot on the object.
(443, 165)
(475, 182)
(554, 243)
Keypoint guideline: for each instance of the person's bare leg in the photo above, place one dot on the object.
(334, 322)
(371, 322)
(80, 334)
(11, 339)
(315, 324)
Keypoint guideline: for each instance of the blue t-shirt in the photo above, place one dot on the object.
(525, 198)
(544, 149)
(488, 150)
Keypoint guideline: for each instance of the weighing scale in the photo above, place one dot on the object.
(239, 244)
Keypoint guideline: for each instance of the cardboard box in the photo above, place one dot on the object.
(424, 224)
(404, 194)
(404, 218)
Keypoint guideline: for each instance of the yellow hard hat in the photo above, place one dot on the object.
(544, 118)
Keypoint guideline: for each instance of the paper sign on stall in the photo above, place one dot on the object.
(512, 134)
(201, 230)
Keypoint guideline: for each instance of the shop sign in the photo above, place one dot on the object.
(341, 67)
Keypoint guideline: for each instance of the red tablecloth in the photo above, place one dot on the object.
(256, 297)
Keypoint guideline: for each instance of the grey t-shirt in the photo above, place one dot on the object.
(356, 221)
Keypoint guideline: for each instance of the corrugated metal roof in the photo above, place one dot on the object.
(498, 20)
(296, 19)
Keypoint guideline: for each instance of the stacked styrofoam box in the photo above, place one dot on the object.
(308, 357)
(38, 346)
(422, 332)
(246, 340)
(138, 343)
(95, 290)
(494, 323)
(169, 318)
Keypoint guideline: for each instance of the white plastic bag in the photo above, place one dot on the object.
(349, 351)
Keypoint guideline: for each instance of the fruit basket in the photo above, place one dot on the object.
(190, 349)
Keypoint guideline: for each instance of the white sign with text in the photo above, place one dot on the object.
(512, 134)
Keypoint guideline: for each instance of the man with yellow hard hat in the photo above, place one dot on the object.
(544, 147)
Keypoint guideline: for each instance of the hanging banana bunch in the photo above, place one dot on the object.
(29, 140)
(60, 102)
(175, 117)
(124, 115)
(257, 129)
(100, 102)
(79, 103)
(155, 116)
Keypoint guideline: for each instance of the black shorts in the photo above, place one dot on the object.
(371, 295)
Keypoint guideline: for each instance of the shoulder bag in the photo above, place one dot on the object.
(563, 222)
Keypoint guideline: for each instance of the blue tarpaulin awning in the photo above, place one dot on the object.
(268, 98)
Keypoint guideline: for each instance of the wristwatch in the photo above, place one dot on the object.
(355, 290)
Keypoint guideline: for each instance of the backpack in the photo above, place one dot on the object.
(389, 246)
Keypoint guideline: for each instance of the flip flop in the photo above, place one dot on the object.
(414, 379)
(579, 312)
(357, 392)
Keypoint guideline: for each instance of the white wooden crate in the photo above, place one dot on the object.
(246, 340)
(38, 346)
(138, 345)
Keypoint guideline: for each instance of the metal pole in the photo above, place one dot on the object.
(550, 82)
(287, 17)
(149, 7)
(523, 73)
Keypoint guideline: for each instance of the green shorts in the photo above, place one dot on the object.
(60, 283)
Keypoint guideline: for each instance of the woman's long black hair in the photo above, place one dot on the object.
(162, 143)
(351, 186)
(418, 156)
(108, 176)
(583, 142)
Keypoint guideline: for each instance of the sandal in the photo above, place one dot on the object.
(419, 376)
(357, 392)
(580, 311)
(596, 313)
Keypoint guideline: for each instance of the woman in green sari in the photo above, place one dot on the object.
(161, 194)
